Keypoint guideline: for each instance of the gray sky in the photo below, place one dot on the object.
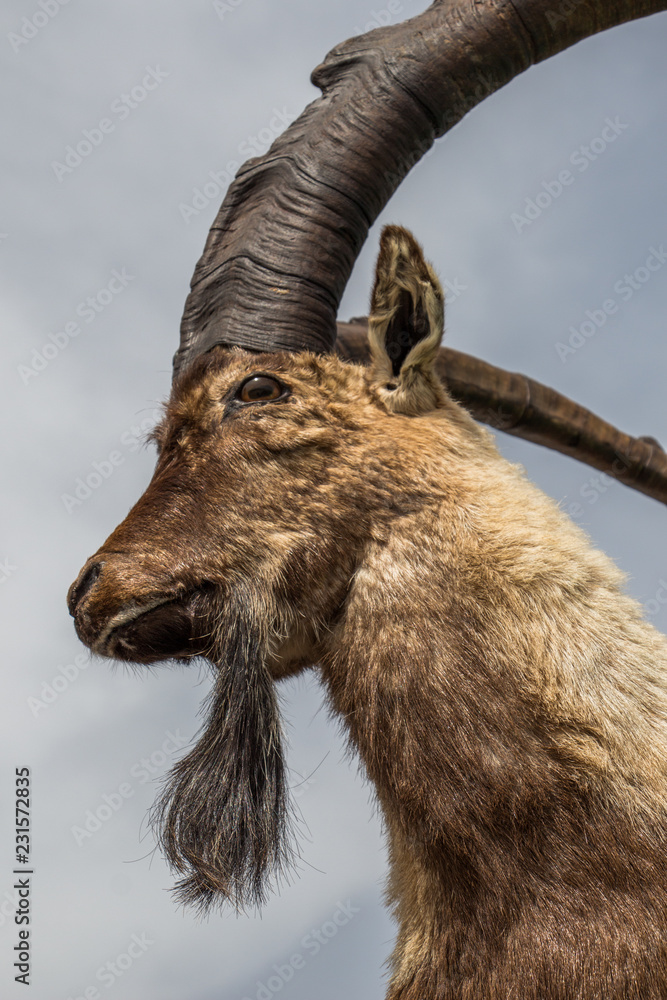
(116, 229)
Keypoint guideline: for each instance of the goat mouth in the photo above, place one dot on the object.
(165, 628)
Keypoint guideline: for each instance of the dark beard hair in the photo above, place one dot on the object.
(223, 819)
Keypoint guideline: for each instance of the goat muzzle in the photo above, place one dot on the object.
(154, 626)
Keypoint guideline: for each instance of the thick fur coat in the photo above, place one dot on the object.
(505, 697)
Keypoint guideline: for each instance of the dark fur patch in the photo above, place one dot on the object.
(223, 819)
(407, 327)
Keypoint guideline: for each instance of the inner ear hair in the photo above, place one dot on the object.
(406, 308)
(408, 325)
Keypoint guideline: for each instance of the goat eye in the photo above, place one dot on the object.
(259, 388)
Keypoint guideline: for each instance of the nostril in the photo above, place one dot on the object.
(80, 587)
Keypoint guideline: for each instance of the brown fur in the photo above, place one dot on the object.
(505, 696)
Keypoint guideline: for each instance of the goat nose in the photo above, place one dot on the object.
(81, 586)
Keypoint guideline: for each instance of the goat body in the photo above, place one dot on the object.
(506, 698)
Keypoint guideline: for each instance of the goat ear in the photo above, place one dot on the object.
(405, 326)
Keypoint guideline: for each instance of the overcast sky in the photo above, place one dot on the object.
(96, 261)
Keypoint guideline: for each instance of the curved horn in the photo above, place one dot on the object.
(293, 222)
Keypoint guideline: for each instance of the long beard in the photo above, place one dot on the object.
(223, 819)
